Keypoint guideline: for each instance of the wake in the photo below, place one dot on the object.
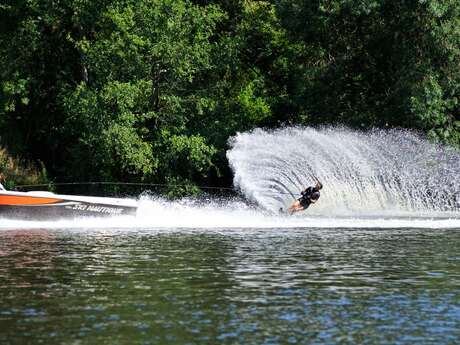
(157, 213)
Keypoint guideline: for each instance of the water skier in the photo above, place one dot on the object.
(309, 196)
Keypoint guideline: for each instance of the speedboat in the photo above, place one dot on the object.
(39, 205)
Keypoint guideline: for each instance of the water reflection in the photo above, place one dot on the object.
(229, 286)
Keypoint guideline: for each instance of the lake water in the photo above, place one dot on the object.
(217, 285)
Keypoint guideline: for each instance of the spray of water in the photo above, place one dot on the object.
(378, 179)
(223, 215)
(364, 173)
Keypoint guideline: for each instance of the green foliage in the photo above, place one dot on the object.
(13, 93)
(177, 187)
(255, 108)
(150, 90)
(377, 63)
(186, 155)
(428, 104)
(16, 171)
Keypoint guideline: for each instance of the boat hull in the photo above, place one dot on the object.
(48, 206)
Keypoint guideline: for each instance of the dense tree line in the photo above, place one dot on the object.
(150, 90)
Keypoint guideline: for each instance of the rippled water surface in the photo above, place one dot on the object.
(229, 286)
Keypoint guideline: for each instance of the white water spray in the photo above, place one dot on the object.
(224, 215)
(379, 179)
(363, 173)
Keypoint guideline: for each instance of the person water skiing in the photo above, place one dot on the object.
(309, 196)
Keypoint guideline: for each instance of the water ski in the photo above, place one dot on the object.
(283, 211)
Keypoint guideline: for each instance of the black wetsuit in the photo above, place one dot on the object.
(309, 194)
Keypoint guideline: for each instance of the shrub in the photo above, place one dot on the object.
(18, 171)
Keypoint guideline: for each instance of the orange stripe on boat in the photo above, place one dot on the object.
(26, 200)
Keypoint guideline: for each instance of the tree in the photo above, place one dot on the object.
(378, 63)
